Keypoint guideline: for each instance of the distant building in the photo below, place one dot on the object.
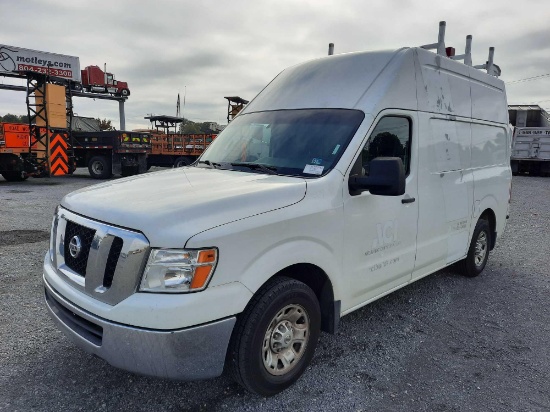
(215, 127)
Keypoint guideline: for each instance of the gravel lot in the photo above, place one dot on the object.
(445, 343)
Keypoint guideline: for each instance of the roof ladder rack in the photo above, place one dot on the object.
(490, 66)
(467, 56)
(440, 45)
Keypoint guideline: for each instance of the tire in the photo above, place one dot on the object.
(478, 253)
(15, 176)
(125, 92)
(100, 167)
(181, 161)
(283, 318)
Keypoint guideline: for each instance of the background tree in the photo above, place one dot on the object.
(105, 124)
(14, 118)
(190, 127)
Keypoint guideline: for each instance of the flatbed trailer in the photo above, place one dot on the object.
(173, 149)
(110, 153)
(176, 150)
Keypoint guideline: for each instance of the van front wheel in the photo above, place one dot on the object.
(478, 253)
(275, 337)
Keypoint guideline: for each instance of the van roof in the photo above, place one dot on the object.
(407, 78)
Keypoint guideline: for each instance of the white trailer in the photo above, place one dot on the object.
(531, 141)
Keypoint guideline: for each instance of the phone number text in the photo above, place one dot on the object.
(45, 70)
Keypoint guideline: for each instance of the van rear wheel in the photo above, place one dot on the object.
(478, 253)
(275, 337)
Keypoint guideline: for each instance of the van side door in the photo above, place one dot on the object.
(380, 231)
(445, 188)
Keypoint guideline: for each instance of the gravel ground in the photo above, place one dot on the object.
(445, 343)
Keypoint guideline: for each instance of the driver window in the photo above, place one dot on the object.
(390, 138)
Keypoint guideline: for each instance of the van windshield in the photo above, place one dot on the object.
(287, 142)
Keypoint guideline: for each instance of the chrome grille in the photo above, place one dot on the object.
(86, 236)
(111, 260)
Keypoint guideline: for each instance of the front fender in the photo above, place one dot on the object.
(252, 250)
(288, 253)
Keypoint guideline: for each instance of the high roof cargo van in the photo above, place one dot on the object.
(346, 178)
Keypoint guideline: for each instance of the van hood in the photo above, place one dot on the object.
(169, 207)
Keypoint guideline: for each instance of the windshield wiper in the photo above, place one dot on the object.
(270, 170)
(213, 165)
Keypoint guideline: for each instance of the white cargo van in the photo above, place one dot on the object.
(346, 178)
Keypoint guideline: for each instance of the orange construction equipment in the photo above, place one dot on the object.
(15, 157)
(177, 149)
(170, 148)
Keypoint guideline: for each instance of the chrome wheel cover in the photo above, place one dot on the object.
(285, 340)
(480, 249)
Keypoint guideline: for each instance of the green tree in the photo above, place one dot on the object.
(205, 127)
(105, 124)
(13, 118)
(189, 127)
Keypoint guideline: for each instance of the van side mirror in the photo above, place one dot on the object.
(386, 178)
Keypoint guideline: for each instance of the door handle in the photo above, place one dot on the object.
(408, 200)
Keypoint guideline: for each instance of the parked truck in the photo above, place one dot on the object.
(171, 148)
(531, 140)
(111, 152)
(344, 180)
(95, 80)
(104, 153)
(14, 151)
(18, 161)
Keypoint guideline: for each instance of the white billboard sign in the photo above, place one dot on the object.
(16, 59)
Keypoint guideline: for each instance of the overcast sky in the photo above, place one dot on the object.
(234, 48)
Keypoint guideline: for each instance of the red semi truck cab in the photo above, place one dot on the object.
(96, 80)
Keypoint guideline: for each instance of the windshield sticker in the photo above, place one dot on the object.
(336, 149)
(313, 169)
(316, 161)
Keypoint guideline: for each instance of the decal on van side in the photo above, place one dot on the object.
(458, 225)
(386, 237)
(383, 264)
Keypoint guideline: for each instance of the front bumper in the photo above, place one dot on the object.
(191, 353)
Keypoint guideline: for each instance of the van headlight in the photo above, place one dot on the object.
(177, 271)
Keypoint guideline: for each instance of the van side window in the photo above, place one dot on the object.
(390, 138)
